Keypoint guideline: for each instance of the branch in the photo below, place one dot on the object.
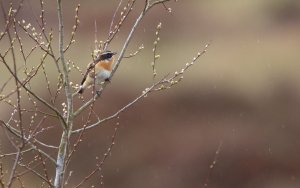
(148, 90)
(16, 80)
(62, 150)
(65, 72)
(14, 168)
(28, 169)
(110, 32)
(35, 96)
(34, 147)
(105, 156)
(74, 28)
(156, 3)
(15, 153)
(8, 21)
(164, 83)
(122, 53)
(87, 104)
(114, 16)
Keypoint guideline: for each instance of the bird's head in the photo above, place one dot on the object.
(106, 55)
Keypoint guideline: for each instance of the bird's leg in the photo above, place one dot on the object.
(107, 80)
(98, 92)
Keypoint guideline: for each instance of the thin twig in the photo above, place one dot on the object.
(28, 169)
(121, 56)
(112, 22)
(14, 168)
(148, 90)
(14, 132)
(124, 16)
(16, 77)
(213, 164)
(36, 96)
(74, 28)
(105, 156)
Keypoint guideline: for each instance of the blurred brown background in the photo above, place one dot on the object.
(244, 93)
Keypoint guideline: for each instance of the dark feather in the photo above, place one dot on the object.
(80, 91)
(89, 69)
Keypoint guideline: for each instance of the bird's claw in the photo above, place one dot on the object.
(107, 80)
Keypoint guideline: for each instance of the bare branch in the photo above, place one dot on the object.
(74, 28)
(26, 124)
(213, 164)
(114, 16)
(14, 168)
(42, 26)
(136, 52)
(156, 3)
(99, 122)
(127, 9)
(62, 152)
(105, 156)
(155, 55)
(83, 107)
(16, 80)
(121, 56)
(33, 94)
(10, 15)
(31, 169)
(112, 22)
(34, 147)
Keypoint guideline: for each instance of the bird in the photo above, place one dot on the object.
(98, 71)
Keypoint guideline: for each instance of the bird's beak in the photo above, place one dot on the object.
(115, 53)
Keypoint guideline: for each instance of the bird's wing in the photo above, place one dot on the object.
(88, 71)
(90, 68)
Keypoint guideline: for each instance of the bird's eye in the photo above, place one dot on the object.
(109, 55)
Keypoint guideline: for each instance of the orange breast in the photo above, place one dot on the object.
(104, 65)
